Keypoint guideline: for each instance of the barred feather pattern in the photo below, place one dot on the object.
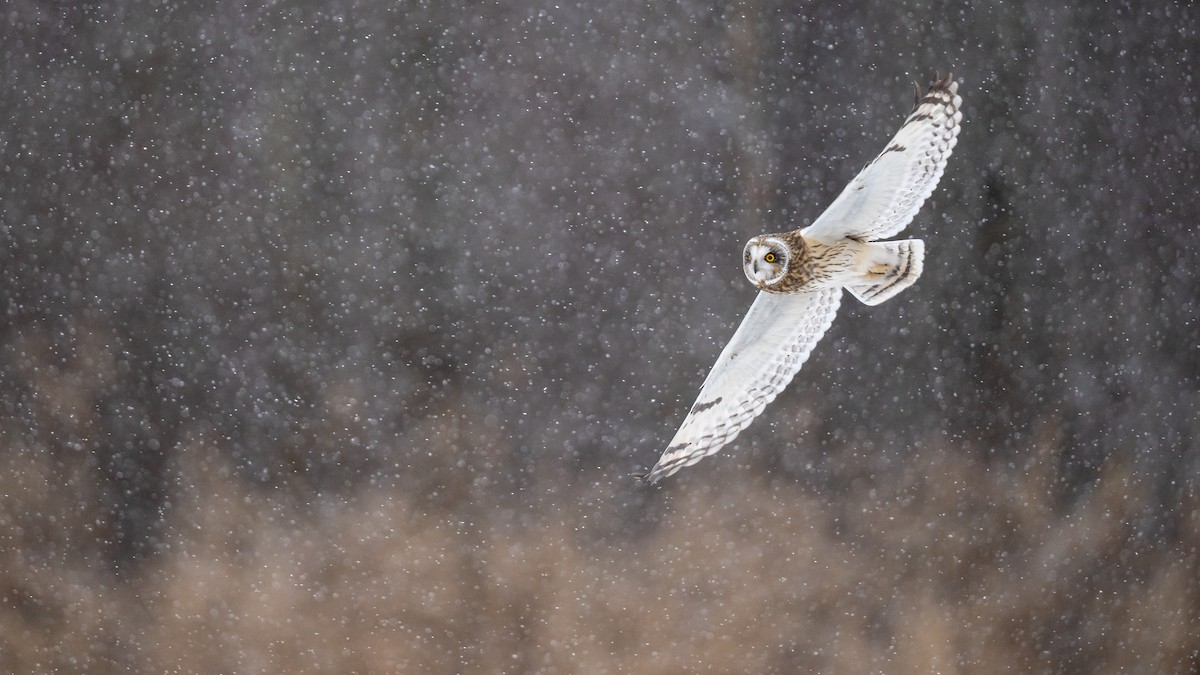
(883, 198)
(770, 345)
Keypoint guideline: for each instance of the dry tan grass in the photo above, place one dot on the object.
(963, 568)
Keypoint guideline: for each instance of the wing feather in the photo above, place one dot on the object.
(766, 351)
(883, 198)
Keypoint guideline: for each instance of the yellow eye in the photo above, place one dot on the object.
(770, 257)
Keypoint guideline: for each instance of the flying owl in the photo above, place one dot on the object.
(801, 274)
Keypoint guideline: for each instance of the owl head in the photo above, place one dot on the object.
(765, 260)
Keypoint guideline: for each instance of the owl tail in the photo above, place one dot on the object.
(892, 267)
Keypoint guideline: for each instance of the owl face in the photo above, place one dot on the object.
(765, 260)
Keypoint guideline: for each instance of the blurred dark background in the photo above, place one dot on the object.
(333, 331)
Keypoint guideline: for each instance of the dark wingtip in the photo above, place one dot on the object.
(939, 84)
(653, 476)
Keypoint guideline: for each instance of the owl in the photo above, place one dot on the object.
(800, 276)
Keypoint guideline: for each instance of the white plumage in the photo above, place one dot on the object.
(801, 275)
(883, 198)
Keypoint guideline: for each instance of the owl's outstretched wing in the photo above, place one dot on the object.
(764, 354)
(888, 192)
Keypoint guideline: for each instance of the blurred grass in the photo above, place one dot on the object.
(960, 566)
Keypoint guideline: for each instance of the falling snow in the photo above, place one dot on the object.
(334, 331)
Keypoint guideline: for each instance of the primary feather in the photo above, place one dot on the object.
(883, 198)
(770, 345)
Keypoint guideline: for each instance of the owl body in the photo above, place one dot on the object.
(800, 275)
(790, 262)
